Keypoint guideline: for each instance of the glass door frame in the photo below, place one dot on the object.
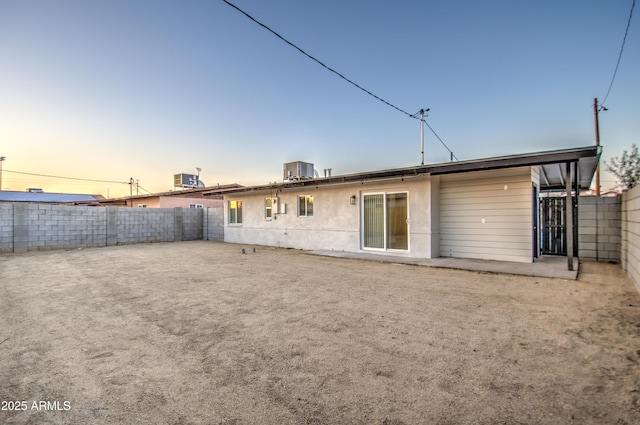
(385, 221)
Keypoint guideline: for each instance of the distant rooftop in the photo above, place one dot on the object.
(46, 198)
(181, 193)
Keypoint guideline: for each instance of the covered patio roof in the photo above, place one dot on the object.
(552, 176)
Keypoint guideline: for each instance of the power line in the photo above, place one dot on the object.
(142, 188)
(66, 178)
(419, 115)
(337, 73)
(313, 58)
(453, 156)
(624, 39)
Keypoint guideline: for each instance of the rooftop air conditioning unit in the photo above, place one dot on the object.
(297, 170)
(187, 180)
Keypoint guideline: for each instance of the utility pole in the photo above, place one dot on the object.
(2, 158)
(422, 112)
(421, 136)
(131, 192)
(596, 112)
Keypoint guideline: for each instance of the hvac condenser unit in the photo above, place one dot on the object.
(187, 180)
(298, 170)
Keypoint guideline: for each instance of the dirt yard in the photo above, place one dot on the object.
(198, 333)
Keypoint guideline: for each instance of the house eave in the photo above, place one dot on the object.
(586, 157)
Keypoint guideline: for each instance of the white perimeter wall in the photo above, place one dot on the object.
(488, 214)
(335, 224)
(630, 224)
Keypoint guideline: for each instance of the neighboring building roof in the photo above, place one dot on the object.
(552, 174)
(47, 198)
(182, 193)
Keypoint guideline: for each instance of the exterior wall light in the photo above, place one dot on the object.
(352, 200)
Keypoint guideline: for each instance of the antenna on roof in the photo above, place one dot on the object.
(421, 112)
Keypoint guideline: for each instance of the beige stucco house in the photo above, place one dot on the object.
(481, 209)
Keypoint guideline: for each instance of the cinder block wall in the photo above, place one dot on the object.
(6, 228)
(214, 224)
(33, 227)
(140, 225)
(630, 249)
(599, 232)
(52, 226)
(192, 223)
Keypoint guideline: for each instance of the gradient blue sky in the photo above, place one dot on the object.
(145, 89)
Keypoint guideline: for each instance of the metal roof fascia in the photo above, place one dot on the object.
(518, 160)
(541, 158)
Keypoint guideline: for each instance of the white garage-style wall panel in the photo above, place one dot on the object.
(487, 215)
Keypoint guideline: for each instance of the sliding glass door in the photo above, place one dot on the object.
(397, 228)
(374, 221)
(385, 221)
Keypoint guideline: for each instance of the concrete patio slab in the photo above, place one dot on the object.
(545, 266)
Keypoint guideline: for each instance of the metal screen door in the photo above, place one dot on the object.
(553, 232)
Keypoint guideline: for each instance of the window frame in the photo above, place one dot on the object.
(306, 205)
(237, 208)
(268, 208)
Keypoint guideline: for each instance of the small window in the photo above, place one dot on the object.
(235, 212)
(268, 208)
(305, 206)
(142, 205)
(195, 205)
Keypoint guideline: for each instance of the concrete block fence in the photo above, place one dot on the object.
(35, 227)
(630, 224)
(213, 224)
(599, 232)
(609, 230)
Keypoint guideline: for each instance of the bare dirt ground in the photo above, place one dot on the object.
(197, 333)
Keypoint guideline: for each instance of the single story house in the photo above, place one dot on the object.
(481, 209)
(183, 198)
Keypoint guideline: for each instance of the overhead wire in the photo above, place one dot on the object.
(453, 155)
(336, 72)
(78, 179)
(66, 178)
(140, 187)
(133, 183)
(314, 59)
(624, 40)
(418, 115)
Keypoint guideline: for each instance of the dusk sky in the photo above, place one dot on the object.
(108, 90)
